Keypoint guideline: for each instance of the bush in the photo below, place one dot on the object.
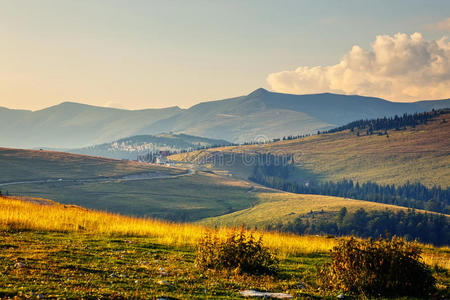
(380, 267)
(240, 252)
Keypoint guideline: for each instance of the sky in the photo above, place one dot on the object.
(147, 54)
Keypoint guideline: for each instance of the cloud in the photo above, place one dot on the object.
(443, 25)
(401, 67)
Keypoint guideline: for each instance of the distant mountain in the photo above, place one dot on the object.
(131, 147)
(267, 114)
(73, 125)
(259, 114)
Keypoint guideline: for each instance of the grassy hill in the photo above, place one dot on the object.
(184, 198)
(171, 194)
(102, 183)
(23, 165)
(49, 250)
(284, 207)
(415, 154)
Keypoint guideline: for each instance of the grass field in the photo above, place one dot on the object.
(218, 199)
(415, 154)
(186, 198)
(282, 207)
(53, 250)
(23, 165)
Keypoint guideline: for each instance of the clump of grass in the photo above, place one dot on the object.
(240, 252)
(383, 267)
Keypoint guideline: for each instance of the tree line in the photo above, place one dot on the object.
(396, 123)
(411, 225)
(411, 195)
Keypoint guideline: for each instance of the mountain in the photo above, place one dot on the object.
(270, 115)
(73, 125)
(261, 114)
(131, 147)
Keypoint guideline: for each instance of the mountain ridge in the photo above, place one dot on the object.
(261, 113)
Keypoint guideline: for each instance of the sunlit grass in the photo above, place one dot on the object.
(25, 215)
(43, 215)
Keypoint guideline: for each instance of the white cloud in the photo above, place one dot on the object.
(400, 67)
(443, 25)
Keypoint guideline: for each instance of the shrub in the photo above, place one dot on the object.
(240, 252)
(383, 267)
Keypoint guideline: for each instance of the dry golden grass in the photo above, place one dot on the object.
(28, 215)
(45, 215)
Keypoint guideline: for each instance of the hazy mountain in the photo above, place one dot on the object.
(261, 113)
(73, 125)
(131, 147)
(267, 114)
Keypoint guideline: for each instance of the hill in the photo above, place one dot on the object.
(58, 251)
(141, 189)
(134, 146)
(126, 187)
(31, 165)
(259, 114)
(284, 207)
(414, 154)
(328, 215)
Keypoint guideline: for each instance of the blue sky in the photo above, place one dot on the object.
(138, 54)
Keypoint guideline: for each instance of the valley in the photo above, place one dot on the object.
(175, 150)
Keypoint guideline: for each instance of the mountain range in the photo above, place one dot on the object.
(259, 114)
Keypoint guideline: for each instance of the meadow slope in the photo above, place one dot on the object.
(419, 154)
(49, 250)
(26, 165)
(283, 207)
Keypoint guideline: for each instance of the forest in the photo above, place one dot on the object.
(411, 225)
(382, 125)
(274, 172)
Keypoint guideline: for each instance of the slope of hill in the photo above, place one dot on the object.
(169, 193)
(28, 165)
(259, 114)
(121, 186)
(273, 208)
(190, 197)
(419, 154)
(131, 147)
(60, 251)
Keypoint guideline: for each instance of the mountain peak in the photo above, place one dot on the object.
(258, 92)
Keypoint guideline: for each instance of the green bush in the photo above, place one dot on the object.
(240, 252)
(383, 267)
